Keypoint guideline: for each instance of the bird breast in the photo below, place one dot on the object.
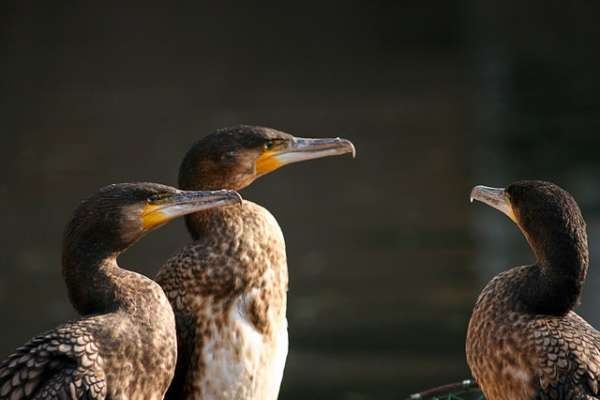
(242, 362)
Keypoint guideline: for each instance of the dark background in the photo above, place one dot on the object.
(386, 255)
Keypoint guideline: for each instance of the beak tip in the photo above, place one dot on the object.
(238, 198)
(352, 149)
(232, 196)
(474, 194)
(495, 198)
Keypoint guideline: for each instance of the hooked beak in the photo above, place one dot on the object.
(301, 149)
(494, 197)
(163, 208)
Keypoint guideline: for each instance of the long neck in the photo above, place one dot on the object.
(557, 279)
(207, 222)
(91, 276)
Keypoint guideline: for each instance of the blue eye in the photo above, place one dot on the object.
(269, 145)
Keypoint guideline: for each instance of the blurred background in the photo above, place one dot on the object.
(386, 254)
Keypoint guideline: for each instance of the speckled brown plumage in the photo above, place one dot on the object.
(524, 342)
(237, 273)
(228, 288)
(124, 347)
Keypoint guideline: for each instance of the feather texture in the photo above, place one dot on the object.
(228, 291)
(61, 364)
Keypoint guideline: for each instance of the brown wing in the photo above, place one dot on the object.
(568, 351)
(61, 364)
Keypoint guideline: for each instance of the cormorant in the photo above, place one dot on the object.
(228, 287)
(124, 346)
(524, 341)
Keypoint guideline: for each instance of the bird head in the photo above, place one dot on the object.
(118, 215)
(548, 215)
(232, 158)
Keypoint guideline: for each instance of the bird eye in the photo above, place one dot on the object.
(269, 145)
(155, 198)
(229, 155)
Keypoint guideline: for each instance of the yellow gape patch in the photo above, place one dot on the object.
(511, 215)
(152, 216)
(510, 211)
(267, 162)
